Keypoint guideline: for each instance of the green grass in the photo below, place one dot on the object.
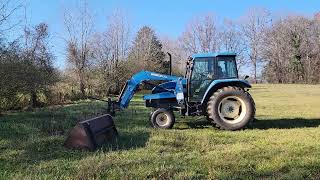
(283, 144)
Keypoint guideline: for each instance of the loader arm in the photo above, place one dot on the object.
(132, 85)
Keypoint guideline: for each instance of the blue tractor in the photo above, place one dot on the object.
(210, 87)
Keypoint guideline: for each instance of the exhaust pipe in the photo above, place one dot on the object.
(170, 63)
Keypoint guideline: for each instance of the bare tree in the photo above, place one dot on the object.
(292, 50)
(38, 72)
(201, 35)
(79, 27)
(111, 49)
(314, 42)
(9, 8)
(118, 36)
(317, 16)
(231, 40)
(179, 56)
(254, 24)
(276, 51)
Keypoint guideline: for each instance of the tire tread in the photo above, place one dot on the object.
(210, 110)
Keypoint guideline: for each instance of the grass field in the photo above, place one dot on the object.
(283, 144)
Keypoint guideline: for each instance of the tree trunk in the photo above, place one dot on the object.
(82, 89)
(255, 73)
(33, 101)
(82, 85)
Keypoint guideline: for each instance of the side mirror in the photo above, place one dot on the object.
(246, 77)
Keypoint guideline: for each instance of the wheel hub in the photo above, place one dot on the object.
(232, 109)
(162, 119)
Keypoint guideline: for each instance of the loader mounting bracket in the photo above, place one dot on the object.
(112, 107)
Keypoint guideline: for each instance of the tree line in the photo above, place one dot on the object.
(273, 49)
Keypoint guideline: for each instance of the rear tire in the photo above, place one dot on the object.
(162, 118)
(231, 108)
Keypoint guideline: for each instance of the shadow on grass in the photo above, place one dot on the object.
(50, 148)
(284, 123)
(128, 141)
(203, 124)
(36, 137)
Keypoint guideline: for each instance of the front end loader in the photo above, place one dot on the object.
(210, 88)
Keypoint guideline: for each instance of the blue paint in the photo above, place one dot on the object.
(168, 85)
(175, 87)
(137, 79)
(206, 55)
(162, 95)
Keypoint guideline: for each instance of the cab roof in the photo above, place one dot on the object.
(205, 55)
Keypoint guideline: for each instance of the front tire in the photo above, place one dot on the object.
(162, 118)
(231, 108)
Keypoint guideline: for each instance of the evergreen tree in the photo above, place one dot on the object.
(146, 53)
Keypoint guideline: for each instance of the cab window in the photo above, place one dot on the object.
(226, 67)
(202, 75)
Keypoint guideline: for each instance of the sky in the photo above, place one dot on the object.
(167, 17)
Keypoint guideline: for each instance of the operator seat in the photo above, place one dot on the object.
(220, 73)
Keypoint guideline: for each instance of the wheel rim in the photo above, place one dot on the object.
(232, 109)
(162, 119)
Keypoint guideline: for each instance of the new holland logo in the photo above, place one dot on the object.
(158, 75)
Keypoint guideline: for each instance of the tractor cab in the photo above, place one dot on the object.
(203, 69)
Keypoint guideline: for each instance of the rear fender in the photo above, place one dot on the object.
(218, 84)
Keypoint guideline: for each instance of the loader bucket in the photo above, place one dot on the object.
(92, 133)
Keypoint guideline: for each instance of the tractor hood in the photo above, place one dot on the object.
(167, 90)
(160, 95)
(168, 85)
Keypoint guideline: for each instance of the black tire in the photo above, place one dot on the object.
(162, 118)
(231, 108)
